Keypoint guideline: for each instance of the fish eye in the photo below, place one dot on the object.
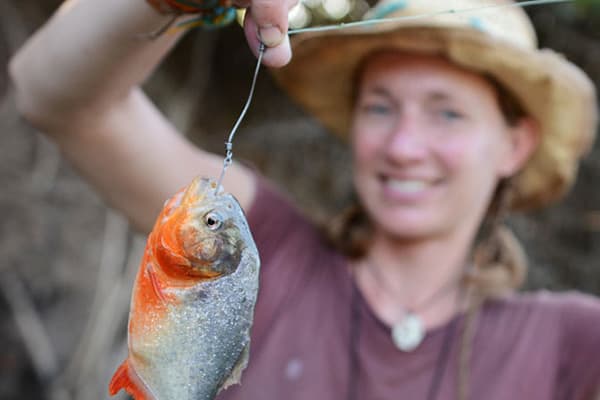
(213, 220)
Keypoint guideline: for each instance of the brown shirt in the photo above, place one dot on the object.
(310, 323)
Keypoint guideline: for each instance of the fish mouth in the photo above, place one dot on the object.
(202, 189)
(203, 193)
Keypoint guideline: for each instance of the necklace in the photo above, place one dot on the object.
(408, 331)
(353, 346)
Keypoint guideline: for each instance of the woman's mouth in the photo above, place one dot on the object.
(407, 185)
(409, 188)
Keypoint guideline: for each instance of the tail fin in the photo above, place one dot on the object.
(126, 378)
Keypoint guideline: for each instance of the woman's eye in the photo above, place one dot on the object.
(213, 221)
(377, 109)
(451, 115)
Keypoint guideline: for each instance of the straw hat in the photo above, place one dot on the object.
(496, 41)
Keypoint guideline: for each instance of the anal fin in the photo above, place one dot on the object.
(126, 378)
(238, 368)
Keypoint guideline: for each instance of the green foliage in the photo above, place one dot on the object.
(589, 8)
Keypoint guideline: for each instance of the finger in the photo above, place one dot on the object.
(275, 56)
(271, 18)
(241, 3)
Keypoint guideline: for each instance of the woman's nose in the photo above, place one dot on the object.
(406, 141)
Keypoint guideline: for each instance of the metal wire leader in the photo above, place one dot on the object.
(229, 143)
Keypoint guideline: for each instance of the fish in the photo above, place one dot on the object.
(193, 300)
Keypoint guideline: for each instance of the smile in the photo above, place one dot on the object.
(407, 185)
(408, 189)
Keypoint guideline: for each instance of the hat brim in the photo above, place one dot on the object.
(555, 92)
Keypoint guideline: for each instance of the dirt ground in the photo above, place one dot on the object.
(68, 261)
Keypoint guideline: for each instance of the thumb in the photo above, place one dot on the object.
(266, 21)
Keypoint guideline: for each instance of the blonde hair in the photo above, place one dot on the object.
(499, 261)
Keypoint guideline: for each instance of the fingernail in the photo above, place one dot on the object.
(271, 36)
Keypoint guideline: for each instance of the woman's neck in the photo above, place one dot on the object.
(421, 276)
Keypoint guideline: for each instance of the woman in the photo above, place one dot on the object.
(452, 122)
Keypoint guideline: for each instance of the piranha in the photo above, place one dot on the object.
(193, 300)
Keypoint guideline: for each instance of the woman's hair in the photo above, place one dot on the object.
(509, 105)
(499, 262)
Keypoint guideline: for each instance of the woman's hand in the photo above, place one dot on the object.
(267, 21)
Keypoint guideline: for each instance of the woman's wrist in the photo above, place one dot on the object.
(162, 7)
(208, 13)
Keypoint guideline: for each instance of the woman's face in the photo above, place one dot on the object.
(430, 145)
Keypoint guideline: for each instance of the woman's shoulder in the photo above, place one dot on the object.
(566, 312)
(558, 333)
(276, 222)
(575, 316)
(549, 304)
(565, 322)
(550, 319)
(287, 239)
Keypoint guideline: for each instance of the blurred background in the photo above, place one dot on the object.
(67, 262)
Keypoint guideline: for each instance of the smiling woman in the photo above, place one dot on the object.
(453, 120)
(450, 127)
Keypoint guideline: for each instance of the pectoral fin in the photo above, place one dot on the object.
(126, 378)
(236, 372)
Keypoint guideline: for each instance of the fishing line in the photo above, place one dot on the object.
(229, 142)
(347, 25)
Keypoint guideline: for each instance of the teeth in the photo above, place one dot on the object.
(406, 185)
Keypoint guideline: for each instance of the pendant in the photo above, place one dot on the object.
(408, 333)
